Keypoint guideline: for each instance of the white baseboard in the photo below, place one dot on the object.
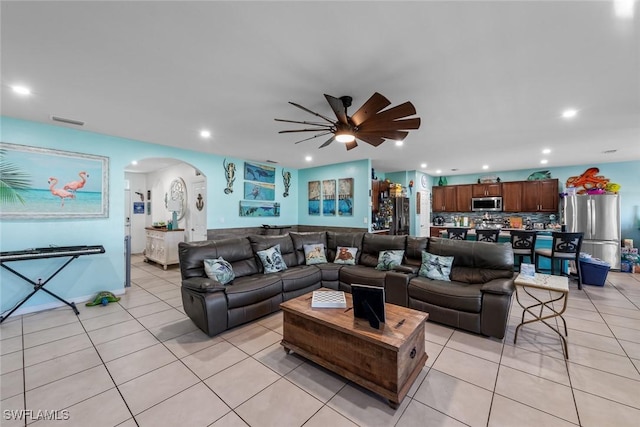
(57, 304)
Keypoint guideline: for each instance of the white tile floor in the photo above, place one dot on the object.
(142, 362)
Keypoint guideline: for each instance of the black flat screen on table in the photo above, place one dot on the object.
(368, 303)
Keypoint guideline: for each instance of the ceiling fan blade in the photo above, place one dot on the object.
(312, 112)
(314, 136)
(351, 145)
(303, 122)
(376, 125)
(374, 104)
(338, 108)
(302, 130)
(373, 140)
(397, 112)
(387, 134)
(329, 141)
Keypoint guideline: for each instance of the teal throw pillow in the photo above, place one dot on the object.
(388, 260)
(345, 255)
(219, 269)
(314, 254)
(435, 266)
(272, 260)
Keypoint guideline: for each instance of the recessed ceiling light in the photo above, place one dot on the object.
(544, 161)
(423, 165)
(439, 171)
(569, 113)
(546, 151)
(485, 167)
(22, 90)
(623, 8)
(134, 162)
(205, 133)
(308, 158)
(399, 143)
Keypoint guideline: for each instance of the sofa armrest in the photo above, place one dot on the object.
(499, 287)
(203, 284)
(410, 269)
(395, 286)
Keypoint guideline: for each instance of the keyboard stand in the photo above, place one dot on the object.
(39, 285)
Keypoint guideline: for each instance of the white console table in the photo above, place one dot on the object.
(162, 245)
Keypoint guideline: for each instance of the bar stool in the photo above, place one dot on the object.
(487, 236)
(524, 245)
(457, 233)
(564, 247)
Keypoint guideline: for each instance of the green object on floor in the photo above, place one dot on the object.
(103, 298)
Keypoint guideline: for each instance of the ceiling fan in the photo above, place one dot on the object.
(371, 123)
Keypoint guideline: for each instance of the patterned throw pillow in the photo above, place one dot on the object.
(435, 266)
(388, 260)
(272, 260)
(219, 269)
(345, 255)
(314, 254)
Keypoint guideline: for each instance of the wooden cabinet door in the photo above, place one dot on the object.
(375, 195)
(530, 197)
(450, 199)
(435, 231)
(493, 190)
(478, 190)
(512, 196)
(548, 195)
(437, 199)
(463, 198)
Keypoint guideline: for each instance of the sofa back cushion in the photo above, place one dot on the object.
(475, 262)
(301, 239)
(260, 243)
(237, 251)
(372, 244)
(348, 240)
(415, 247)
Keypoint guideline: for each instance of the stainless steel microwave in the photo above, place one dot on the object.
(486, 204)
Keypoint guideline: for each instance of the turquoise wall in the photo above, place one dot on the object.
(360, 171)
(90, 274)
(627, 174)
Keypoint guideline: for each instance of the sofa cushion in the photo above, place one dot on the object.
(349, 240)
(456, 296)
(219, 269)
(345, 255)
(436, 267)
(252, 289)
(272, 260)
(301, 239)
(389, 259)
(260, 243)
(238, 253)
(413, 251)
(372, 244)
(360, 274)
(314, 254)
(300, 277)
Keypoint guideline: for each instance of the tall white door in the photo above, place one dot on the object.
(197, 226)
(425, 211)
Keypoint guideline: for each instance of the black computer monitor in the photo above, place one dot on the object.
(368, 303)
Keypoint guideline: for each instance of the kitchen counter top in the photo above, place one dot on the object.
(384, 230)
(505, 232)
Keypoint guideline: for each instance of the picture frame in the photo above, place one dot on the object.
(259, 173)
(250, 208)
(329, 197)
(259, 191)
(313, 197)
(49, 183)
(345, 197)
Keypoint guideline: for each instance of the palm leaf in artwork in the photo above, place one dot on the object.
(12, 181)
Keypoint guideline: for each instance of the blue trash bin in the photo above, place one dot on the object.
(594, 271)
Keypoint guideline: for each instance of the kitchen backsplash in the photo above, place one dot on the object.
(498, 217)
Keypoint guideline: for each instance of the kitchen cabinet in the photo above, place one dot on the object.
(435, 231)
(540, 196)
(379, 190)
(512, 196)
(162, 245)
(463, 198)
(443, 199)
(487, 190)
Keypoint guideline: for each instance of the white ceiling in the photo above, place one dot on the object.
(488, 79)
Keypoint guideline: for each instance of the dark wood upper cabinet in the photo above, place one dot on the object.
(540, 196)
(444, 199)
(487, 190)
(463, 198)
(512, 196)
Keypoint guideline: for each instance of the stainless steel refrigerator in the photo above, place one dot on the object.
(400, 224)
(598, 217)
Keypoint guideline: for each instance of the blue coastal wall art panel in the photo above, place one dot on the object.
(345, 197)
(260, 173)
(47, 183)
(259, 191)
(256, 209)
(329, 197)
(314, 197)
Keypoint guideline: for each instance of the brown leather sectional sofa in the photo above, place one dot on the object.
(476, 299)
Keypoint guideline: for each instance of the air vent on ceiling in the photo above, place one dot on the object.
(68, 121)
(609, 151)
(272, 161)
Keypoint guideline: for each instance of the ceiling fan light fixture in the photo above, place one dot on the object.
(344, 136)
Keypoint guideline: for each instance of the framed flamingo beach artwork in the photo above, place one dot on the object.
(45, 183)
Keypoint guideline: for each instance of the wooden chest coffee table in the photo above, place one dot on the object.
(386, 361)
